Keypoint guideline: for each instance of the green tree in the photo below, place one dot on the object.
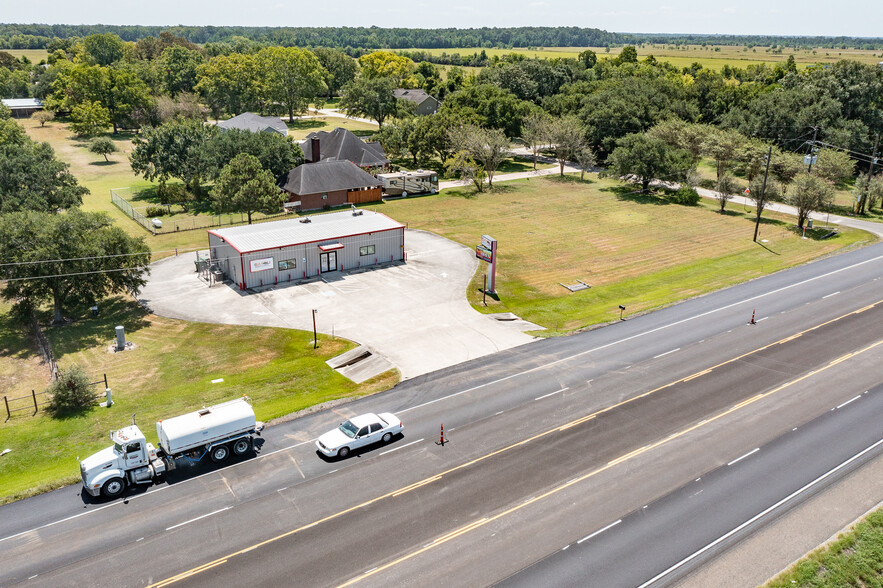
(535, 132)
(104, 49)
(488, 106)
(588, 59)
(784, 168)
(646, 158)
(385, 64)
(89, 119)
(180, 67)
(231, 83)
(341, 68)
(71, 393)
(723, 146)
(834, 166)
(726, 186)
(244, 186)
(32, 178)
(868, 192)
(681, 134)
(462, 165)
(175, 149)
(117, 89)
(628, 55)
(371, 98)
(487, 147)
(92, 259)
(585, 157)
(811, 193)
(103, 146)
(276, 153)
(43, 116)
(293, 77)
(568, 137)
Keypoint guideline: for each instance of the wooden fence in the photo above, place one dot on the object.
(33, 403)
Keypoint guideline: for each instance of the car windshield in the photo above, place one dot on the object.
(349, 429)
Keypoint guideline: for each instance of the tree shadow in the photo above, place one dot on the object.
(15, 341)
(569, 179)
(84, 330)
(730, 212)
(634, 194)
(767, 248)
(103, 163)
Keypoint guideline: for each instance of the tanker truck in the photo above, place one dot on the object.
(216, 432)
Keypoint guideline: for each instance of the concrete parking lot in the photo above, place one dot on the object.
(414, 314)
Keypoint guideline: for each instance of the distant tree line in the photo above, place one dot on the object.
(39, 36)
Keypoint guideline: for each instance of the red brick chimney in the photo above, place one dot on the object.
(315, 153)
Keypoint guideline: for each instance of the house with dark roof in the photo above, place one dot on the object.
(342, 145)
(313, 186)
(424, 103)
(249, 121)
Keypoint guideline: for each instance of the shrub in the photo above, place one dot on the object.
(686, 196)
(170, 193)
(89, 119)
(155, 211)
(71, 393)
(103, 146)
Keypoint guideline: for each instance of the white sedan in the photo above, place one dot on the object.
(359, 431)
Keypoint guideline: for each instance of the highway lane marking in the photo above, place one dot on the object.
(666, 353)
(611, 464)
(648, 332)
(451, 535)
(832, 294)
(738, 459)
(848, 401)
(761, 514)
(401, 447)
(264, 455)
(599, 531)
(198, 518)
(551, 393)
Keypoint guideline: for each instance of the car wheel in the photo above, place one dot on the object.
(387, 437)
(113, 487)
(220, 453)
(343, 452)
(241, 447)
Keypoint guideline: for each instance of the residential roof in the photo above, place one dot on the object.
(15, 103)
(417, 96)
(326, 176)
(249, 121)
(322, 227)
(341, 144)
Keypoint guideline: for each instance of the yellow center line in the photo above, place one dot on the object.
(487, 456)
(477, 524)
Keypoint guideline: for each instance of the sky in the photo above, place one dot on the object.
(747, 17)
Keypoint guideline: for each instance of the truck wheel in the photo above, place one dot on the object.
(220, 453)
(113, 487)
(343, 452)
(241, 447)
(387, 437)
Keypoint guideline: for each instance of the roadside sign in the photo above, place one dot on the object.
(484, 254)
(487, 241)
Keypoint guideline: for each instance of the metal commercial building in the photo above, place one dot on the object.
(299, 248)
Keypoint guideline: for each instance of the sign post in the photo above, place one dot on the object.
(487, 251)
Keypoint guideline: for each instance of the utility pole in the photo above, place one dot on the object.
(762, 201)
(860, 206)
(812, 148)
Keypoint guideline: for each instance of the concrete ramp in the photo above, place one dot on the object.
(360, 364)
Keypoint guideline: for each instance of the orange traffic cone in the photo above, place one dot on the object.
(441, 438)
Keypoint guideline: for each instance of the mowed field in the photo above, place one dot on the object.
(35, 55)
(713, 57)
(636, 250)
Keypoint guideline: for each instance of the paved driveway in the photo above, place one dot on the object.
(413, 314)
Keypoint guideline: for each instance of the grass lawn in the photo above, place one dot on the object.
(35, 55)
(854, 559)
(300, 128)
(168, 372)
(635, 250)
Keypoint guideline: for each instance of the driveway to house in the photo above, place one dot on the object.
(413, 314)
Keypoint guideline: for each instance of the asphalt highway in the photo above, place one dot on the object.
(549, 442)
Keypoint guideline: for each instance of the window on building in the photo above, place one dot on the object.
(287, 264)
(366, 250)
(324, 196)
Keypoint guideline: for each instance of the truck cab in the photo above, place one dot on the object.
(127, 461)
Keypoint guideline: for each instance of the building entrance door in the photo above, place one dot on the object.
(328, 261)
